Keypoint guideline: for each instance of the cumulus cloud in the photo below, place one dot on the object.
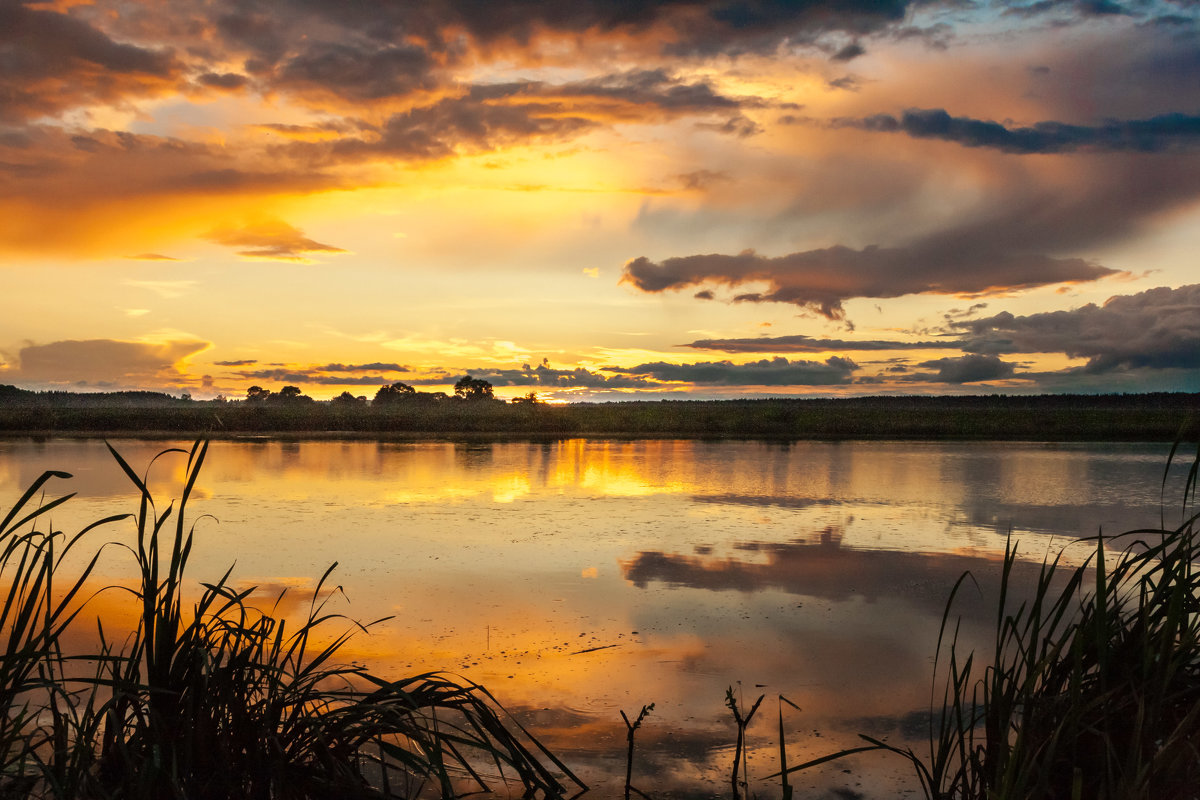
(358, 72)
(225, 81)
(767, 372)
(656, 88)
(105, 361)
(374, 366)
(1156, 134)
(545, 376)
(490, 116)
(1158, 328)
(273, 241)
(807, 344)
(1081, 8)
(971, 368)
(53, 62)
(823, 279)
(454, 125)
(671, 26)
(312, 376)
(1022, 233)
(332, 374)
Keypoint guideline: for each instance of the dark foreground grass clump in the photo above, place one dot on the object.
(1092, 688)
(212, 698)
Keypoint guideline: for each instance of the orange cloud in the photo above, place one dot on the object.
(105, 362)
(272, 240)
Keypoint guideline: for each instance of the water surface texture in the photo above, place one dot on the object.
(578, 578)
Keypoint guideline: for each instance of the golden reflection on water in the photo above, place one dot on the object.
(578, 578)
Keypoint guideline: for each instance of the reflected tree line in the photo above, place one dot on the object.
(467, 389)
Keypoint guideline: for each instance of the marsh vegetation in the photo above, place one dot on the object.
(395, 413)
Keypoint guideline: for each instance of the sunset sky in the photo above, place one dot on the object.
(600, 199)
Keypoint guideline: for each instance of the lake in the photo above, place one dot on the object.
(578, 578)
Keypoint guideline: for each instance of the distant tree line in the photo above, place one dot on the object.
(1156, 417)
(467, 389)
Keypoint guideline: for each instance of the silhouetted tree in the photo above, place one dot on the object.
(396, 393)
(289, 395)
(528, 399)
(347, 399)
(469, 388)
(257, 394)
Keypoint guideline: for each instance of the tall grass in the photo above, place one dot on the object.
(212, 698)
(1091, 689)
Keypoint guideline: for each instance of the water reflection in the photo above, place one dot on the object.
(577, 578)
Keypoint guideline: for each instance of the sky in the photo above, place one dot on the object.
(600, 199)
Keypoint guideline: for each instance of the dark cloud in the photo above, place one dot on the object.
(1156, 134)
(546, 376)
(1081, 8)
(307, 376)
(229, 81)
(807, 344)
(354, 50)
(274, 241)
(490, 116)
(673, 26)
(359, 73)
(1158, 328)
(849, 83)
(456, 124)
(849, 52)
(936, 37)
(971, 368)
(1020, 234)
(650, 87)
(374, 366)
(245, 362)
(767, 372)
(823, 279)
(50, 62)
(541, 376)
(263, 34)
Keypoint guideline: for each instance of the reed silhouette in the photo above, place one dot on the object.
(210, 697)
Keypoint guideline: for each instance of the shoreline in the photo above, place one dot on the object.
(504, 437)
(1038, 418)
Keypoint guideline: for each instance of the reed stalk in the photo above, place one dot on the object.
(739, 753)
(631, 729)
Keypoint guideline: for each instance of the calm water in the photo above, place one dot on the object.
(578, 578)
